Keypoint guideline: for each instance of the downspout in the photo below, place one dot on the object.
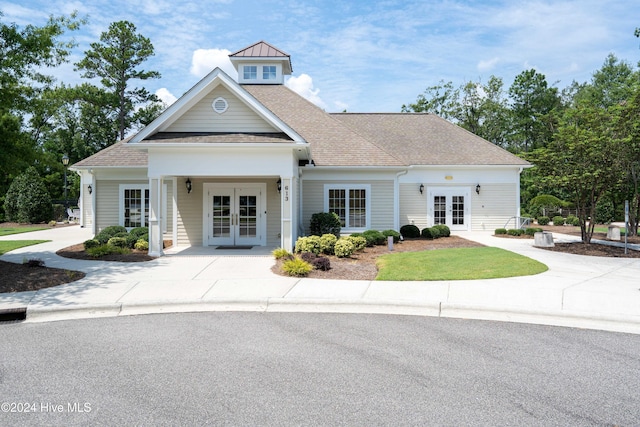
(396, 203)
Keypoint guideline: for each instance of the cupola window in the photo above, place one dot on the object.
(269, 72)
(250, 72)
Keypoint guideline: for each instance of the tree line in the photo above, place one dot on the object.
(42, 119)
(584, 140)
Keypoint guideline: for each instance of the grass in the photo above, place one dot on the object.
(5, 231)
(9, 245)
(456, 264)
(605, 229)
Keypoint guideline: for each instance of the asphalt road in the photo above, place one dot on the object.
(314, 369)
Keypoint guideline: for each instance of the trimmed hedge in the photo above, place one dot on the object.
(344, 248)
(327, 242)
(558, 220)
(393, 233)
(374, 237)
(141, 245)
(573, 220)
(443, 230)
(532, 230)
(109, 232)
(325, 223)
(543, 220)
(308, 244)
(500, 231)
(410, 231)
(359, 242)
(430, 233)
(515, 232)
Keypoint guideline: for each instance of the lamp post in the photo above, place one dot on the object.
(65, 162)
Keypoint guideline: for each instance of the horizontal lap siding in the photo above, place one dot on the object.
(87, 207)
(413, 206)
(382, 201)
(169, 219)
(190, 215)
(237, 118)
(273, 213)
(494, 206)
(108, 203)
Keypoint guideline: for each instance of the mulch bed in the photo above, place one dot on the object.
(22, 277)
(77, 252)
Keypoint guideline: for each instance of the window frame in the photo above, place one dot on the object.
(271, 74)
(251, 71)
(142, 187)
(348, 187)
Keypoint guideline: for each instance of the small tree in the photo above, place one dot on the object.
(27, 199)
(325, 223)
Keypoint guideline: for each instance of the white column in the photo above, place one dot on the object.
(286, 233)
(155, 216)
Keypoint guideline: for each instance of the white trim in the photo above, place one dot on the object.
(347, 187)
(449, 192)
(142, 187)
(174, 200)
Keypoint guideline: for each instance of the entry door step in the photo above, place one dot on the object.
(235, 247)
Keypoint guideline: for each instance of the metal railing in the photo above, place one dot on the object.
(519, 222)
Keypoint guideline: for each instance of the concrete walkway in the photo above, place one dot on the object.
(577, 291)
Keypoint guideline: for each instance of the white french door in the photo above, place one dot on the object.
(234, 214)
(451, 207)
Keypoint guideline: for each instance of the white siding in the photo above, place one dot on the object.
(413, 205)
(273, 214)
(107, 203)
(382, 201)
(237, 118)
(87, 207)
(493, 207)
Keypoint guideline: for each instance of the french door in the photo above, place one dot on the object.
(451, 207)
(234, 215)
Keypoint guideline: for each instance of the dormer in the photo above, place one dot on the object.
(261, 63)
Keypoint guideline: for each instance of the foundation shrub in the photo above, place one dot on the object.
(543, 220)
(325, 223)
(430, 233)
(558, 220)
(374, 237)
(410, 231)
(141, 245)
(321, 263)
(327, 241)
(308, 244)
(515, 232)
(109, 232)
(443, 230)
(281, 253)
(500, 231)
(343, 248)
(393, 233)
(359, 242)
(103, 250)
(136, 234)
(296, 267)
(120, 242)
(532, 230)
(91, 243)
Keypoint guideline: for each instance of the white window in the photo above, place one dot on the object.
(134, 205)
(250, 72)
(352, 203)
(269, 72)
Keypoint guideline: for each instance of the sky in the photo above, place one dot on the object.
(360, 56)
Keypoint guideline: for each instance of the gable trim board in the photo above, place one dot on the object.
(269, 137)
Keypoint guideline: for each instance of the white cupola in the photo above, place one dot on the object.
(262, 64)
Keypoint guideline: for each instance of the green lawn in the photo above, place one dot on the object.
(15, 230)
(9, 245)
(456, 264)
(605, 229)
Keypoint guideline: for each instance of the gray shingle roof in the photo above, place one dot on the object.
(425, 139)
(118, 154)
(332, 142)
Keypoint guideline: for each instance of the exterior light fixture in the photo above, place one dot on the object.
(421, 188)
(279, 184)
(478, 189)
(90, 189)
(188, 184)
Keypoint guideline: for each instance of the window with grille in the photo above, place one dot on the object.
(350, 203)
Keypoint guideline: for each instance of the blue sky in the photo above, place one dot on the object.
(362, 56)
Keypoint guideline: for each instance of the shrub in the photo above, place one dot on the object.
(321, 263)
(558, 220)
(53, 223)
(103, 250)
(543, 220)
(296, 267)
(500, 231)
(515, 232)
(375, 236)
(141, 245)
(136, 234)
(27, 199)
(532, 230)
(430, 233)
(91, 243)
(443, 230)
(308, 244)
(410, 231)
(308, 256)
(325, 223)
(393, 233)
(33, 262)
(326, 243)
(120, 242)
(109, 232)
(281, 253)
(573, 220)
(343, 248)
(359, 242)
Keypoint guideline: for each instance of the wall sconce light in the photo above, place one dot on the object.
(478, 189)
(90, 189)
(421, 188)
(188, 184)
(279, 185)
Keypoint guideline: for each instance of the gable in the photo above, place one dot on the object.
(238, 117)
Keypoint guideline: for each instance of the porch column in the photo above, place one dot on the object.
(286, 233)
(155, 216)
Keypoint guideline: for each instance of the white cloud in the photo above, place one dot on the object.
(166, 96)
(488, 65)
(303, 86)
(205, 60)
(341, 106)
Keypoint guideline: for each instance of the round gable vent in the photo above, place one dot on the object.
(220, 105)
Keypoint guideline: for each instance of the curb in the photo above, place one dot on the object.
(585, 320)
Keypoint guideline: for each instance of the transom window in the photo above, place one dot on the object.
(351, 203)
(250, 72)
(269, 72)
